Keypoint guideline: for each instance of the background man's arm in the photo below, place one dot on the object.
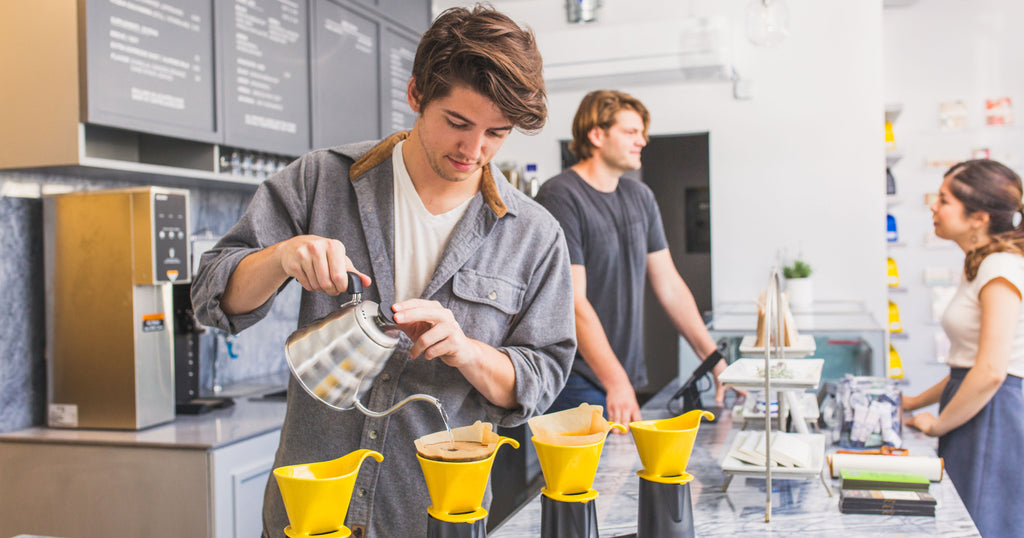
(677, 300)
(597, 352)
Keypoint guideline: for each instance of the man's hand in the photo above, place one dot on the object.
(317, 263)
(435, 333)
(622, 406)
(720, 387)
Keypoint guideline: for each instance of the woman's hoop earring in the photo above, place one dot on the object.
(974, 237)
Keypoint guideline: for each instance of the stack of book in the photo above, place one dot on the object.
(887, 502)
(875, 492)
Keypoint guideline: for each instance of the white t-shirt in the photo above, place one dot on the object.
(962, 319)
(420, 237)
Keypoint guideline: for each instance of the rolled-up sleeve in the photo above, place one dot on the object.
(542, 341)
(277, 212)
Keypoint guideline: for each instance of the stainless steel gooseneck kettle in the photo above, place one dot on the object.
(337, 357)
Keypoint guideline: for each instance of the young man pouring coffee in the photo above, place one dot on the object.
(477, 273)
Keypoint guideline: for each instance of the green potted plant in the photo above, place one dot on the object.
(799, 285)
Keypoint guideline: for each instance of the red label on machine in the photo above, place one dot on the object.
(152, 322)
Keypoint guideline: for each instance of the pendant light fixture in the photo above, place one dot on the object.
(581, 11)
(767, 22)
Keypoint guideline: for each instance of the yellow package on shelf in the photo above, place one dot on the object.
(890, 139)
(895, 369)
(893, 274)
(894, 318)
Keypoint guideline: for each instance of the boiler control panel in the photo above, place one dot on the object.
(171, 237)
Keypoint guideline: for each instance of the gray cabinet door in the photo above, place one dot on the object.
(345, 75)
(264, 72)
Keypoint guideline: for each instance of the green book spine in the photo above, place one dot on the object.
(853, 479)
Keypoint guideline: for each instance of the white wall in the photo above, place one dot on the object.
(799, 167)
(935, 51)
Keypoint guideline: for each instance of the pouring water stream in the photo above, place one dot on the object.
(422, 397)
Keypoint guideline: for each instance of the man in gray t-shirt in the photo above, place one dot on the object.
(615, 237)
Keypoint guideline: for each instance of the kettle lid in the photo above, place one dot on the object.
(377, 322)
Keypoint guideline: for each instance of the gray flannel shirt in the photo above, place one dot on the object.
(504, 275)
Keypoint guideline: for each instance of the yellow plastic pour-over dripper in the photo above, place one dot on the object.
(457, 487)
(316, 495)
(569, 470)
(665, 446)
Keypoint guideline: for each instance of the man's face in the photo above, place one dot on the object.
(460, 132)
(621, 144)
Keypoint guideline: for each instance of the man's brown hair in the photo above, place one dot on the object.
(598, 109)
(487, 51)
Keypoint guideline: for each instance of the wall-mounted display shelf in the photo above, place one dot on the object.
(892, 156)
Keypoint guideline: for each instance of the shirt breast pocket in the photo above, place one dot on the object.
(486, 305)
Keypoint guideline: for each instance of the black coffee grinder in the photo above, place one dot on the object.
(187, 331)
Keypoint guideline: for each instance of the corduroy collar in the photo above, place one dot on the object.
(386, 147)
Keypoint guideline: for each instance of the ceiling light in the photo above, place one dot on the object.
(767, 22)
(579, 11)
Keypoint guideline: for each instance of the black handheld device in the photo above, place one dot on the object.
(689, 391)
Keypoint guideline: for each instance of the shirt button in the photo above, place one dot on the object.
(385, 377)
(373, 434)
(362, 492)
(492, 296)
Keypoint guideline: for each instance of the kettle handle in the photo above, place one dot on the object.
(355, 284)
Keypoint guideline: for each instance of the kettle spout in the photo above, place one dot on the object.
(377, 414)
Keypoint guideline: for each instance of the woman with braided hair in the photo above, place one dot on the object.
(980, 425)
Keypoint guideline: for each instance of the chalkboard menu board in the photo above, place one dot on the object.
(346, 94)
(255, 76)
(264, 68)
(149, 67)
(399, 51)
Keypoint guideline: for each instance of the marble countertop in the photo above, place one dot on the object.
(246, 419)
(799, 507)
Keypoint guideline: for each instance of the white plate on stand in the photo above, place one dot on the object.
(816, 442)
(805, 374)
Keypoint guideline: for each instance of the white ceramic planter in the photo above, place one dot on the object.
(801, 294)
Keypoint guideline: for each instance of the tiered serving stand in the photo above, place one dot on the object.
(806, 374)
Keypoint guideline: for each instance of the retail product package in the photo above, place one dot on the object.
(882, 502)
(790, 335)
(929, 467)
(869, 408)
